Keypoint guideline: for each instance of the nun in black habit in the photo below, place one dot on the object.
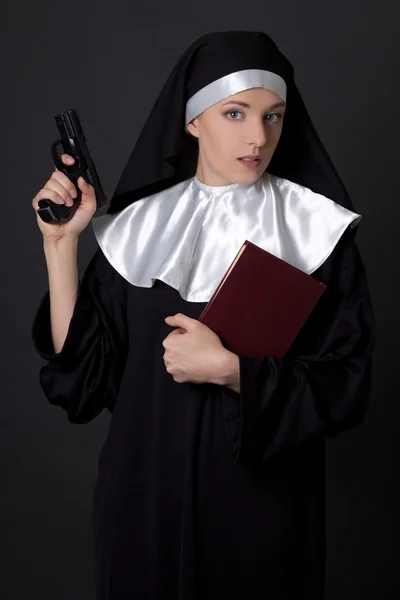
(211, 482)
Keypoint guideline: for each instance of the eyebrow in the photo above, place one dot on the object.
(245, 105)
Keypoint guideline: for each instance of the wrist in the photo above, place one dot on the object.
(66, 241)
(228, 370)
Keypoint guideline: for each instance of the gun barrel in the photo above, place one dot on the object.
(69, 125)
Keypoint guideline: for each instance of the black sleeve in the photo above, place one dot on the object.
(322, 385)
(84, 377)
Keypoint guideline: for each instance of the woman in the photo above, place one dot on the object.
(211, 482)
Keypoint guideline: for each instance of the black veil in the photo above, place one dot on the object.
(165, 154)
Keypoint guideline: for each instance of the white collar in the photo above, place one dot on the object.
(188, 234)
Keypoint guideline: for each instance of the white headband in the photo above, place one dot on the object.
(233, 84)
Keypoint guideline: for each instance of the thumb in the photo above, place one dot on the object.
(180, 320)
(85, 187)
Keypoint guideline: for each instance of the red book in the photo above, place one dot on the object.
(261, 304)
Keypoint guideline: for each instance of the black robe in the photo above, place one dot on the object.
(203, 493)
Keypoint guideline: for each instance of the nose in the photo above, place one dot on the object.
(256, 133)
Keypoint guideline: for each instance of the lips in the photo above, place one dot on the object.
(250, 157)
(250, 163)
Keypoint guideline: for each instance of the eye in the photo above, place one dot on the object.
(233, 112)
(277, 115)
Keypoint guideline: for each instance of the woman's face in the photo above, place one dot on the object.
(248, 123)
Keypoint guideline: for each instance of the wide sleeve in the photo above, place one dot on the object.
(84, 377)
(322, 385)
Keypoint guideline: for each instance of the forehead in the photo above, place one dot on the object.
(254, 96)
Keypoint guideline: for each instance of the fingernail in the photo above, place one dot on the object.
(69, 201)
(73, 193)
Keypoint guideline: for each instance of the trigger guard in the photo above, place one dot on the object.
(55, 151)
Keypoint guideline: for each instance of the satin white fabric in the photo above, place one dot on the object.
(188, 235)
(233, 84)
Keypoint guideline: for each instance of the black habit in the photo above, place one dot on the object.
(204, 493)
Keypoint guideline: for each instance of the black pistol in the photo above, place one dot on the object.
(73, 142)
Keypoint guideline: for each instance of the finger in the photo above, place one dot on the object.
(53, 185)
(65, 182)
(67, 159)
(46, 194)
(181, 320)
(166, 340)
(178, 331)
(85, 187)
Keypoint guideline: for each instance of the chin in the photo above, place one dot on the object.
(248, 177)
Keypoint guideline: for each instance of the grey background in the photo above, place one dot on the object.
(110, 62)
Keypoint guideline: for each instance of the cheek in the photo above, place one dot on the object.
(273, 135)
(217, 145)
